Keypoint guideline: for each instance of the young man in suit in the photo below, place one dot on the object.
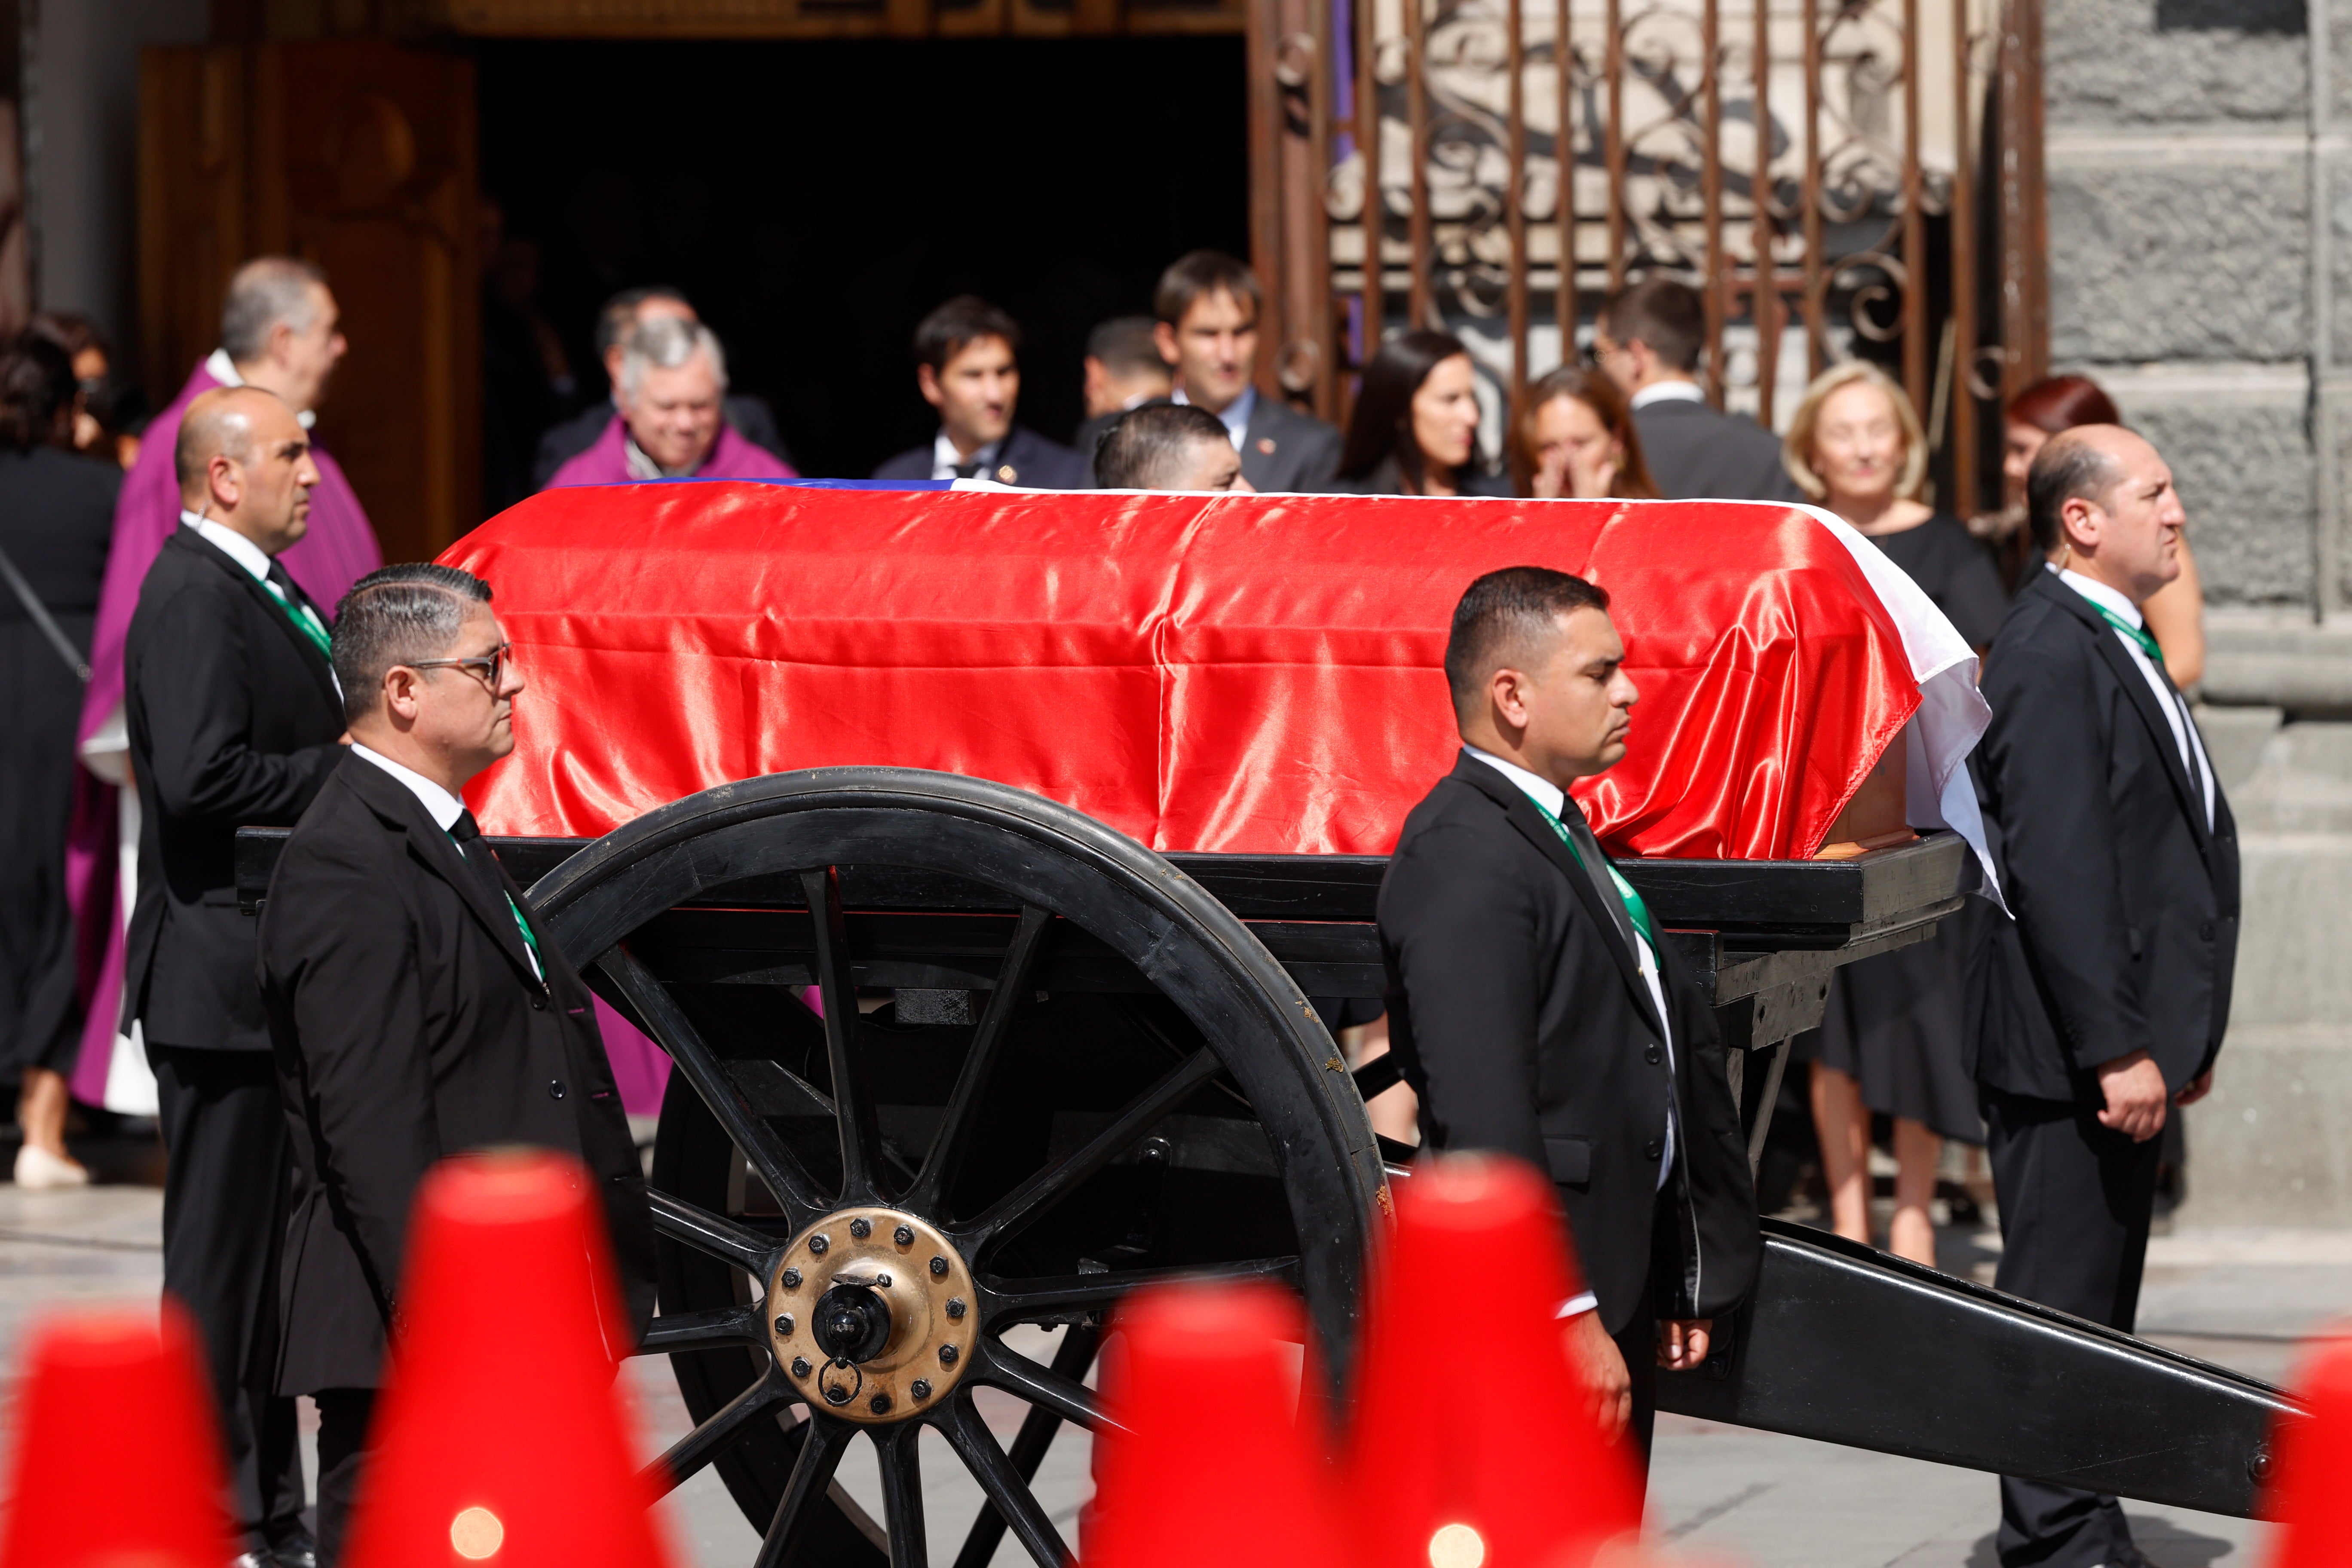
(1648, 337)
(1168, 447)
(233, 716)
(2102, 1004)
(967, 366)
(415, 1009)
(1534, 1008)
(1209, 305)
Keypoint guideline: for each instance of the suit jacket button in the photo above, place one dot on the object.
(1653, 1149)
(2206, 930)
(538, 1001)
(1651, 1054)
(555, 1089)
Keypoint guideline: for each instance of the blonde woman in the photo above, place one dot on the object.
(1890, 1040)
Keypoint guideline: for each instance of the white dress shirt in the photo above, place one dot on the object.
(945, 460)
(223, 370)
(1668, 392)
(1235, 417)
(2174, 706)
(445, 809)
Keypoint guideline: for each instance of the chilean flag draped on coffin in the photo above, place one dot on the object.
(1207, 672)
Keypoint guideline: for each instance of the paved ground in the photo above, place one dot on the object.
(2240, 1299)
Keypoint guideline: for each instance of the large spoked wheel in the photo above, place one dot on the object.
(1047, 1069)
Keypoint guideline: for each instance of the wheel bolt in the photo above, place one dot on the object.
(948, 1354)
(784, 1323)
(792, 1278)
(836, 1395)
(921, 1388)
(818, 1244)
(879, 1405)
(799, 1366)
(956, 1308)
(861, 1228)
(939, 1267)
(904, 1236)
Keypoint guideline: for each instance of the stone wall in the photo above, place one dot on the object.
(2201, 268)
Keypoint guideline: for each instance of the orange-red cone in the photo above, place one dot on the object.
(1216, 1464)
(1473, 1446)
(2308, 1492)
(501, 1438)
(118, 1450)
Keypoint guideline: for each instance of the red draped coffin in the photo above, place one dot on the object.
(1203, 672)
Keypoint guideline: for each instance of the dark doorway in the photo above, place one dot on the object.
(816, 199)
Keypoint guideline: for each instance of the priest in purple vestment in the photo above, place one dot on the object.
(671, 423)
(280, 330)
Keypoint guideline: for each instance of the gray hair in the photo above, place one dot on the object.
(266, 291)
(394, 615)
(666, 343)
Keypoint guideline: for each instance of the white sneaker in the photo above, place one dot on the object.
(37, 1168)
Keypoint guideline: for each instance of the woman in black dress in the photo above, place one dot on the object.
(1890, 1040)
(56, 514)
(1415, 429)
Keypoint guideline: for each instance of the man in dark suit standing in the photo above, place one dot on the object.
(233, 717)
(414, 1008)
(1648, 337)
(2103, 1002)
(1209, 305)
(1535, 1009)
(967, 366)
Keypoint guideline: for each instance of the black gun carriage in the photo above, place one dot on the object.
(1051, 1064)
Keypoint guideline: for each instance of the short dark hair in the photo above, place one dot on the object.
(962, 321)
(1199, 273)
(621, 310)
(397, 614)
(1126, 346)
(1665, 314)
(1500, 615)
(2068, 468)
(36, 392)
(1145, 449)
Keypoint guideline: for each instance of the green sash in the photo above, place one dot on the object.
(1636, 909)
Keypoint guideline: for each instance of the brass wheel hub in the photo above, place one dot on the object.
(873, 1315)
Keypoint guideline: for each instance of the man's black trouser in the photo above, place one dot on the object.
(343, 1416)
(227, 1169)
(2075, 1203)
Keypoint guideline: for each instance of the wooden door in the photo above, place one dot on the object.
(358, 155)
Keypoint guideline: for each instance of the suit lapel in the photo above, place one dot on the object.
(1529, 818)
(2135, 687)
(439, 853)
(322, 672)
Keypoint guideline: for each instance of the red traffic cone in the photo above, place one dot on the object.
(118, 1450)
(500, 1437)
(2306, 1492)
(1218, 1460)
(1473, 1444)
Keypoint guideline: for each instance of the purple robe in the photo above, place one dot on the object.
(339, 550)
(731, 458)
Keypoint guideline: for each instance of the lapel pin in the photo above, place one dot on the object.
(1005, 474)
(1265, 444)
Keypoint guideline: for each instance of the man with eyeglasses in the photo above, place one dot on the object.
(416, 1008)
(232, 716)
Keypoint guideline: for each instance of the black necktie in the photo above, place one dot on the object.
(971, 470)
(468, 834)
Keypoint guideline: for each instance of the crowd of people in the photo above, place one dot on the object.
(170, 674)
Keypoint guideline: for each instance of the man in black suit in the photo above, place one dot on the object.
(415, 1010)
(1648, 337)
(2103, 1002)
(233, 718)
(1534, 1008)
(1209, 305)
(623, 314)
(1123, 371)
(967, 366)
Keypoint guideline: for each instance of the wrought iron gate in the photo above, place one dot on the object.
(1837, 178)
